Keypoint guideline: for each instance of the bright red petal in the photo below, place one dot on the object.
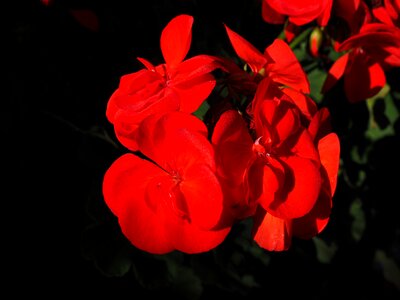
(175, 141)
(125, 192)
(246, 51)
(335, 72)
(194, 92)
(286, 68)
(271, 233)
(203, 195)
(176, 39)
(270, 15)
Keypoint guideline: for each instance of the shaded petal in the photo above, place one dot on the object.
(176, 39)
(364, 79)
(306, 105)
(271, 233)
(320, 125)
(246, 51)
(329, 151)
(335, 72)
(300, 190)
(270, 15)
(286, 68)
(316, 220)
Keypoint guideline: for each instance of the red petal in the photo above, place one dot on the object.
(147, 64)
(175, 141)
(194, 92)
(300, 191)
(270, 15)
(316, 220)
(246, 51)
(271, 233)
(203, 196)
(286, 68)
(233, 145)
(329, 152)
(86, 18)
(124, 189)
(323, 19)
(307, 106)
(195, 67)
(176, 39)
(364, 78)
(335, 72)
(320, 125)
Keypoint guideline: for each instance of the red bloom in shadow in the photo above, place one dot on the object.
(370, 52)
(172, 200)
(177, 85)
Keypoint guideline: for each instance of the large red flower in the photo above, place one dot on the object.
(369, 53)
(283, 169)
(177, 85)
(172, 199)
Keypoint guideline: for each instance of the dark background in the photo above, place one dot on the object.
(61, 238)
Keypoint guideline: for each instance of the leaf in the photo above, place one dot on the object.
(325, 252)
(202, 110)
(358, 224)
(383, 114)
(390, 269)
(317, 78)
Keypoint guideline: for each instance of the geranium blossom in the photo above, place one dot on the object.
(172, 199)
(177, 85)
(284, 169)
(369, 53)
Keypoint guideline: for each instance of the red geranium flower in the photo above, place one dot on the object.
(177, 85)
(172, 200)
(298, 12)
(283, 170)
(370, 52)
(278, 62)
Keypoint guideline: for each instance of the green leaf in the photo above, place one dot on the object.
(383, 114)
(317, 78)
(390, 269)
(358, 224)
(202, 110)
(325, 252)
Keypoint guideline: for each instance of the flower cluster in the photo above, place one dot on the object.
(263, 151)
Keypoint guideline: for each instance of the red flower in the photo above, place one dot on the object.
(278, 62)
(172, 200)
(286, 173)
(298, 12)
(388, 13)
(177, 85)
(370, 52)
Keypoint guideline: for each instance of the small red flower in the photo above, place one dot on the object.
(172, 200)
(298, 12)
(278, 62)
(177, 85)
(370, 52)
